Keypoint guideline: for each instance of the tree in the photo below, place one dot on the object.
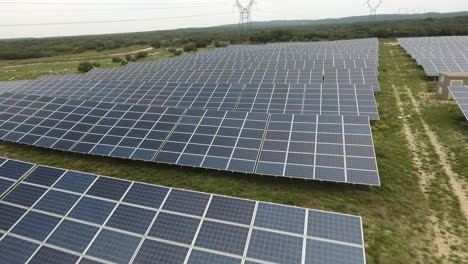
(190, 47)
(117, 59)
(156, 44)
(201, 43)
(85, 67)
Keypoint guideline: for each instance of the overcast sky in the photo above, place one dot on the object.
(20, 18)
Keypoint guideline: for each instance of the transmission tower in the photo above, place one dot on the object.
(245, 18)
(373, 7)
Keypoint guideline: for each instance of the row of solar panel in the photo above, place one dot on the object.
(300, 99)
(60, 216)
(438, 54)
(208, 63)
(461, 97)
(330, 148)
(229, 77)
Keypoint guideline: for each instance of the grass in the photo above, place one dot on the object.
(66, 64)
(396, 216)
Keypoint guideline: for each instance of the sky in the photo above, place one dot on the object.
(48, 18)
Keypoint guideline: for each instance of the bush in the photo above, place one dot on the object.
(128, 57)
(171, 50)
(141, 55)
(177, 52)
(156, 44)
(85, 67)
(221, 44)
(123, 63)
(190, 47)
(117, 59)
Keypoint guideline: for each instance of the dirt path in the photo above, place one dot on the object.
(455, 183)
(425, 177)
(442, 240)
(131, 52)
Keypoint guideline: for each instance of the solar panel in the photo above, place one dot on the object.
(438, 54)
(461, 96)
(353, 62)
(10, 172)
(314, 147)
(98, 224)
(331, 98)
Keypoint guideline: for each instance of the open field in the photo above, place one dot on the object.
(421, 145)
(67, 64)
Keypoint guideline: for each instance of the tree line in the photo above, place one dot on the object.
(191, 39)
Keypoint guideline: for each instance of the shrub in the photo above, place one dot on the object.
(123, 63)
(128, 57)
(85, 67)
(221, 44)
(117, 59)
(190, 47)
(171, 50)
(141, 55)
(177, 52)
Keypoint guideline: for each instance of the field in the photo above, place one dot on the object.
(418, 215)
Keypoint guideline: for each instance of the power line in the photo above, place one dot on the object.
(100, 4)
(109, 21)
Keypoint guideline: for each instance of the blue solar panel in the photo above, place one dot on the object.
(72, 235)
(146, 195)
(16, 251)
(35, 225)
(56, 202)
(283, 218)
(92, 210)
(202, 257)
(52, 256)
(9, 216)
(109, 188)
(5, 185)
(186, 202)
(114, 246)
(124, 218)
(44, 175)
(175, 228)
(12, 169)
(275, 247)
(72, 224)
(75, 181)
(268, 144)
(25, 195)
(159, 252)
(222, 237)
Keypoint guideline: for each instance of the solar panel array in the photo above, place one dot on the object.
(62, 216)
(461, 96)
(330, 99)
(438, 54)
(298, 110)
(321, 147)
(11, 171)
